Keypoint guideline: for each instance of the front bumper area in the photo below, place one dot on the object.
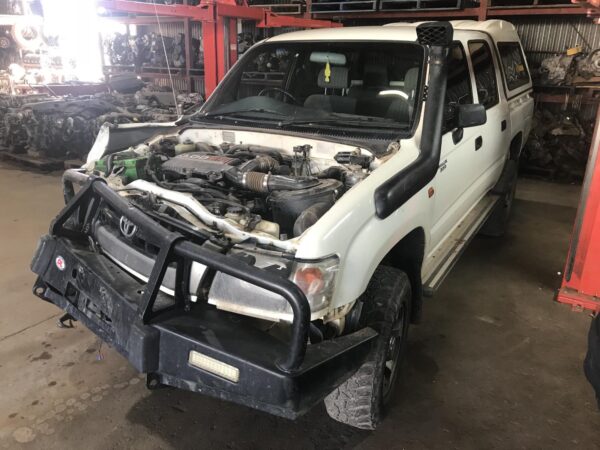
(156, 333)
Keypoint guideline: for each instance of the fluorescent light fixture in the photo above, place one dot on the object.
(214, 366)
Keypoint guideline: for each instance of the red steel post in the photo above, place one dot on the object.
(581, 283)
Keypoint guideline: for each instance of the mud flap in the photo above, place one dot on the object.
(507, 178)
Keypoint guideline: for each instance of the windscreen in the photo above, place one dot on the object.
(341, 84)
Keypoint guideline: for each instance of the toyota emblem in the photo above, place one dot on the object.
(60, 263)
(127, 227)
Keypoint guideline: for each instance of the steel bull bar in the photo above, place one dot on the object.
(288, 385)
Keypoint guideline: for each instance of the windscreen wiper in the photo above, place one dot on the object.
(338, 121)
(241, 111)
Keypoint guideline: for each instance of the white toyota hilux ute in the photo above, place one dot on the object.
(272, 248)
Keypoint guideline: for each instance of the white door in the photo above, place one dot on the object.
(495, 134)
(453, 184)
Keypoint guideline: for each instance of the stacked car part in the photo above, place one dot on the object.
(65, 127)
(568, 67)
(557, 147)
(148, 50)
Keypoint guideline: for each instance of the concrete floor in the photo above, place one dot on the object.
(495, 363)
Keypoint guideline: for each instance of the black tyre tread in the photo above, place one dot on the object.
(357, 401)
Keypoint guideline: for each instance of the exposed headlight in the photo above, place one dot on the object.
(317, 280)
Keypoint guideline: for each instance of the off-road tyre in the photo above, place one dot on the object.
(361, 400)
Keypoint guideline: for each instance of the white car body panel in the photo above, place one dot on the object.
(351, 229)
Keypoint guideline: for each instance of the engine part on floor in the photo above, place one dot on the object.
(65, 127)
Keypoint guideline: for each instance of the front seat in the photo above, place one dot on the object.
(376, 98)
(411, 77)
(330, 102)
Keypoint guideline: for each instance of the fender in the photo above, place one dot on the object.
(401, 187)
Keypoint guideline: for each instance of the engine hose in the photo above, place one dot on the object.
(262, 182)
(204, 147)
(253, 150)
(260, 164)
(336, 172)
(109, 164)
(194, 189)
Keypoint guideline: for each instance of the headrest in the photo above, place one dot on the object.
(410, 80)
(375, 75)
(338, 78)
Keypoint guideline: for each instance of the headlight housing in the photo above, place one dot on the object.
(316, 278)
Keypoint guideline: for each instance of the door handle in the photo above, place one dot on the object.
(457, 135)
(503, 125)
(478, 143)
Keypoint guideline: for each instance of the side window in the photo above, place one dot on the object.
(513, 65)
(458, 88)
(485, 73)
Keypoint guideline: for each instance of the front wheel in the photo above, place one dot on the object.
(361, 400)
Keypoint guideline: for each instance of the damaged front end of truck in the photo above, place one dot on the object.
(176, 339)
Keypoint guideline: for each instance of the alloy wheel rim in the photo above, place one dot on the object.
(394, 346)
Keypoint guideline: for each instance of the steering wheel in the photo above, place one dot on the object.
(282, 91)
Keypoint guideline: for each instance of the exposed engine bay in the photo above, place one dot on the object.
(235, 192)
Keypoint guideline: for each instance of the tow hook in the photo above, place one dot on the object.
(66, 321)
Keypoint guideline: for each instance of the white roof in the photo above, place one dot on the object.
(370, 33)
(500, 30)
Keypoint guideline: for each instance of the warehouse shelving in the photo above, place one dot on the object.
(457, 9)
(190, 76)
(219, 21)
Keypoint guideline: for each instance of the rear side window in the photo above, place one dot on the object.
(485, 73)
(513, 64)
(458, 87)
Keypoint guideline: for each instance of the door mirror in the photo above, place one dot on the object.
(471, 115)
